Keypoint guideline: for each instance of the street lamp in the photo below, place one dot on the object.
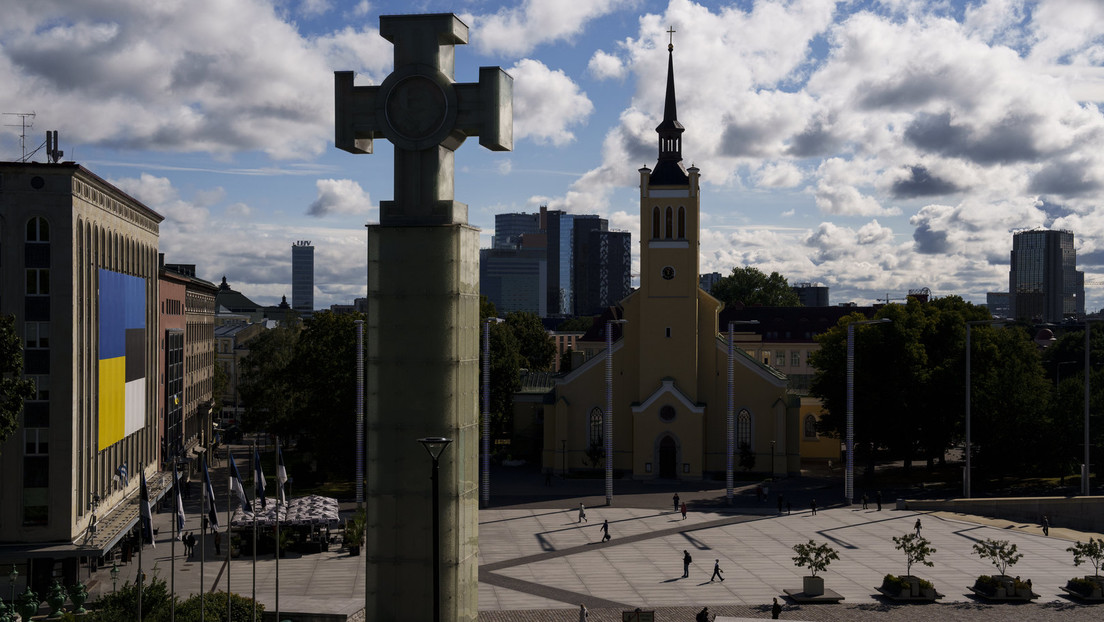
(359, 416)
(849, 472)
(12, 576)
(1085, 468)
(486, 491)
(730, 446)
(609, 409)
(435, 445)
(967, 476)
(114, 576)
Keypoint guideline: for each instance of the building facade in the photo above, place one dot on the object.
(80, 273)
(514, 279)
(302, 277)
(1043, 283)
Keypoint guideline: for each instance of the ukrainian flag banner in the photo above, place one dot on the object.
(122, 356)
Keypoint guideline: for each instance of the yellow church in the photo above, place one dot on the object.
(675, 381)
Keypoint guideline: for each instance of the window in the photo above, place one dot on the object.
(596, 426)
(795, 358)
(42, 388)
(655, 223)
(743, 428)
(667, 413)
(38, 281)
(682, 223)
(668, 331)
(810, 426)
(669, 224)
(37, 334)
(779, 358)
(36, 442)
(38, 230)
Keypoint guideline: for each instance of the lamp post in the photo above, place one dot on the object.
(359, 416)
(12, 576)
(114, 576)
(435, 445)
(967, 477)
(1086, 486)
(485, 495)
(609, 409)
(849, 472)
(730, 434)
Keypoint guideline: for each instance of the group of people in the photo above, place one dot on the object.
(189, 540)
(679, 505)
(877, 499)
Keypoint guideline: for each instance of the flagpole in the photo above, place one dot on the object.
(141, 545)
(172, 548)
(256, 467)
(279, 496)
(229, 527)
(203, 540)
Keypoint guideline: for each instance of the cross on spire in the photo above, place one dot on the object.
(671, 41)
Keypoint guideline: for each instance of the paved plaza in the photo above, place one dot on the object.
(538, 562)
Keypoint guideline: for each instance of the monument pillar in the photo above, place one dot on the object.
(423, 316)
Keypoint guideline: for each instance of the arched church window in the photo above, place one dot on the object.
(810, 426)
(38, 230)
(743, 428)
(596, 426)
(682, 223)
(655, 223)
(669, 224)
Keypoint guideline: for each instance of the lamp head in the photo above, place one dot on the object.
(435, 445)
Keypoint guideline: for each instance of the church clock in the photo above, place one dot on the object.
(668, 273)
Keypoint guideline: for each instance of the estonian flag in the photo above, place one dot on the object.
(281, 474)
(122, 473)
(145, 515)
(259, 478)
(209, 492)
(179, 503)
(236, 485)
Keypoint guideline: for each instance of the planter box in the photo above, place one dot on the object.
(1095, 595)
(1004, 590)
(914, 592)
(812, 586)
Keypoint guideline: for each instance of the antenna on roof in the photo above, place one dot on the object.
(23, 132)
(53, 154)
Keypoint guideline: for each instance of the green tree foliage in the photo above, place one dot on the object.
(534, 346)
(747, 457)
(13, 387)
(750, 286)
(1064, 364)
(579, 324)
(999, 553)
(214, 608)
(1091, 551)
(596, 453)
(916, 549)
(219, 383)
(813, 556)
(267, 384)
(122, 605)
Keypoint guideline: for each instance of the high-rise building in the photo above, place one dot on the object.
(997, 303)
(603, 265)
(514, 279)
(1043, 282)
(509, 229)
(79, 266)
(811, 294)
(302, 277)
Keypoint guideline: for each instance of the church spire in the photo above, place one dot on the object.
(669, 170)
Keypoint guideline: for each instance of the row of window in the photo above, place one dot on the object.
(667, 413)
(780, 358)
(669, 230)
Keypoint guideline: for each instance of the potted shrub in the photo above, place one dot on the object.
(1001, 586)
(816, 558)
(916, 549)
(354, 532)
(1087, 587)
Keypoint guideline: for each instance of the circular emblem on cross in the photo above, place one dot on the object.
(418, 107)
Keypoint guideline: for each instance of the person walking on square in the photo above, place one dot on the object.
(779, 503)
(703, 615)
(812, 505)
(776, 609)
(717, 572)
(582, 513)
(218, 544)
(676, 500)
(683, 510)
(686, 559)
(864, 497)
(917, 527)
(1046, 525)
(583, 613)
(605, 530)
(878, 499)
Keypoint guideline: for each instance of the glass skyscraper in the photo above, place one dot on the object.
(302, 277)
(1043, 282)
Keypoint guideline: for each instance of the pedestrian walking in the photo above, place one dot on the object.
(582, 513)
(917, 527)
(605, 530)
(865, 499)
(683, 510)
(1046, 525)
(191, 543)
(789, 508)
(583, 613)
(676, 500)
(218, 544)
(812, 505)
(686, 559)
(775, 610)
(779, 503)
(878, 500)
(703, 615)
(717, 572)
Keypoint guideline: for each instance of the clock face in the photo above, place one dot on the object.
(668, 272)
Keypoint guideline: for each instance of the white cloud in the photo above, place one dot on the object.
(783, 174)
(546, 103)
(339, 196)
(520, 29)
(604, 66)
(158, 194)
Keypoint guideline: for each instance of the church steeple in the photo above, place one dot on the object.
(669, 170)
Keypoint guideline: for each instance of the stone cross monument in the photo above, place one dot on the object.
(423, 316)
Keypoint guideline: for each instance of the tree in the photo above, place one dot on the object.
(505, 377)
(595, 453)
(580, 324)
(916, 549)
(267, 384)
(750, 286)
(998, 552)
(534, 346)
(813, 556)
(219, 383)
(1091, 551)
(747, 457)
(13, 387)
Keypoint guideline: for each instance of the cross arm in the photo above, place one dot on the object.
(486, 109)
(354, 114)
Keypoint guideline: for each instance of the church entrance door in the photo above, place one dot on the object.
(668, 455)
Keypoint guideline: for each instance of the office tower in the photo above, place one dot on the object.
(514, 279)
(1043, 282)
(302, 277)
(811, 294)
(602, 269)
(509, 229)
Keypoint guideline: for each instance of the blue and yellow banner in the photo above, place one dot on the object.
(122, 356)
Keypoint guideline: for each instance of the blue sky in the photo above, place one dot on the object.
(874, 146)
